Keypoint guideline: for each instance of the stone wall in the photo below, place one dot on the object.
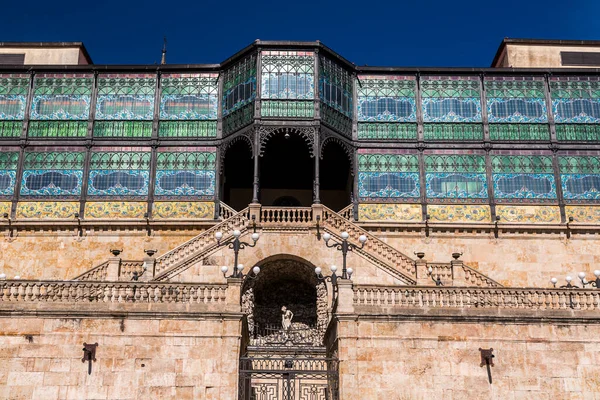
(147, 358)
(406, 359)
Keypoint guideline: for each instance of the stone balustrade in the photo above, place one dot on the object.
(24, 291)
(197, 247)
(286, 216)
(98, 273)
(481, 297)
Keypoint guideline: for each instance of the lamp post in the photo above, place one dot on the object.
(584, 282)
(236, 245)
(333, 277)
(344, 246)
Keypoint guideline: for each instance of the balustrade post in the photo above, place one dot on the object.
(457, 267)
(345, 298)
(254, 211)
(421, 272)
(113, 269)
(148, 273)
(234, 293)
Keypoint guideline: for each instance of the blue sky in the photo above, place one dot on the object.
(402, 33)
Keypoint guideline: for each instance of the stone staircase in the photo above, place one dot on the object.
(301, 220)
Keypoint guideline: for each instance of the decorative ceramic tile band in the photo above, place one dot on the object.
(47, 209)
(183, 209)
(528, 214)
(583, 214)
(5, 207)
(115, 209)
(390, 212)
(459, 213)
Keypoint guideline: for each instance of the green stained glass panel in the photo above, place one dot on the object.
(519, 132)
(578, 132)
(522, 164)
(186, 161)
(453, 131)
(129, 129)
(394, 131)
(11, 129)
(288, 109)
(174, 129)
(54, 160)
(388, 163)
(9, 160)
(57, 129)
(121, 160)
(454, 163)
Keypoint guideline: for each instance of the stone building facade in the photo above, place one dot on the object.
(447, 199)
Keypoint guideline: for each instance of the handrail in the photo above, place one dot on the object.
(477, 278)
(226, 211)
(97, 273)
(479, 297)
(374, 246)
(193, 247)
(25, 291)
(347, 212)
(181, 257)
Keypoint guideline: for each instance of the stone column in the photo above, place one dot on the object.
(345, 300)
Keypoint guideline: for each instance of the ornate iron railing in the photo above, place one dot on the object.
(463, 297)
(23, 291)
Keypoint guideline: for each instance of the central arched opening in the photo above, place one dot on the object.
(335, 176)
(286, 171)
(290, 282)
(237, 175)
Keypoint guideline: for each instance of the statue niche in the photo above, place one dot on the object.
(286, 303)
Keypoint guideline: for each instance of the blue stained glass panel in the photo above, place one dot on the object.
(51, 182)
(388, 184)
(387, 109)
(7, 182)
(524, 186)
(580, 186)
(576, 110)
(185, 183)
(118, 183)
(517, 110)
(451, 110)
(456, 185)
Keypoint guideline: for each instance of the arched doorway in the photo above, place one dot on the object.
(286, 363)
(285, 281)
(237, 175)
(286, 169)
(335, 176)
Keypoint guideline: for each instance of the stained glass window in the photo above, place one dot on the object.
(239, 85)
(523, 177)
(119, 174)
(61, 105)
(185, 172)
(516, 108)
(336, 86)
(388, 175)
(51, 173)
(188, 105)
(456, 176)
(580, 178)
(451, 108)
(287, 75)
(13, 100)
(125, 105)
(9, 161)
(576, 107)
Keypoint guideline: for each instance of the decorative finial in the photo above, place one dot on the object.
(163, 59)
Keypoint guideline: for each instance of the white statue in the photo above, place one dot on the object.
(286, 318)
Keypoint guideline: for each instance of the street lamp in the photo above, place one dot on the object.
(236, 244)
(584, 282)
(237, 272)
(333, 277)
(344, 246)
